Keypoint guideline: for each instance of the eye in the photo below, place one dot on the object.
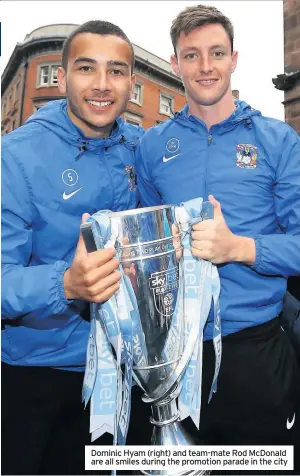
(85, 69)
(218, 54)
(116, 72)
(190, 56)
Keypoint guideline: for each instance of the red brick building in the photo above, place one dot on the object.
(30, 80)
(289, 81)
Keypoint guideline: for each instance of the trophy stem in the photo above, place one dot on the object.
(168, 431)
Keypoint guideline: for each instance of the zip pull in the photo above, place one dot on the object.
(83, 147)
(209, 139)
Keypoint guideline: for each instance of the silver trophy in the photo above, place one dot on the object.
(149, 248)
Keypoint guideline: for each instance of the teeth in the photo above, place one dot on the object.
(100, 104)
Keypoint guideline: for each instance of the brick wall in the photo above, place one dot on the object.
(11, 103)
(292, 60)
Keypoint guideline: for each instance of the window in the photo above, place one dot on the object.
(165, 104)
(44, 76)
(137, 96)
(47, 75)
(38, 105)
(54, 74)
(133, 119)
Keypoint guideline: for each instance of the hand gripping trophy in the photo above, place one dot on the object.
(153, 327)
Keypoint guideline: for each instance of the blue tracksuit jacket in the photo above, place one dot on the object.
(51, 175)
(251, 164)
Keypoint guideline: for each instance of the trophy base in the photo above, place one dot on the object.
(168, 431)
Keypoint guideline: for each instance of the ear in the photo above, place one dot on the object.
(234, 58)
(62, 80)
(175, 66)
(133, 81)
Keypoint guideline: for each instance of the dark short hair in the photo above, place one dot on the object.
(98, 27)
(193, 17)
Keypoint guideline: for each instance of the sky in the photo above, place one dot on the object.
(258, 35)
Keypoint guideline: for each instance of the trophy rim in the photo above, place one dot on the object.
(139, 211)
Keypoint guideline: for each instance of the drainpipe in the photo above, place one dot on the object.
(23, 89)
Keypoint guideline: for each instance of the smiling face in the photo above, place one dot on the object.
(205, 63)
(98, 81)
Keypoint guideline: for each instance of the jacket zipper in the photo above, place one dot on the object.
(209, 140)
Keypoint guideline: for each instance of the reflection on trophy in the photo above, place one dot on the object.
(149, 251)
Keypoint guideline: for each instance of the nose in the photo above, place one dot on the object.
(101, 82)
(206, 66)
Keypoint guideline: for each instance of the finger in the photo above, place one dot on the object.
(81, 251)
(203, 245)
(98, 258)
(216, 205)
(84, 217)
(203, 225)
(175, 229)
(103, 284)
(201, 253)
(93, 274)
(206, 235)
(107, 294)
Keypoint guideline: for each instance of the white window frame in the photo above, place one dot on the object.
(38, 105)
(169, 98)
(50, 68)
(133, 118)
(53, 69)
(139, 100)
(43, 75)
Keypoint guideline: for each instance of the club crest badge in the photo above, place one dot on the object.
(132, 179)
(246, 156)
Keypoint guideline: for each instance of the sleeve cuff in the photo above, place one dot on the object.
(61, 268)
(258, 254)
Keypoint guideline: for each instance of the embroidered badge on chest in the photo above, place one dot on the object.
(246, 156)
(132, 181)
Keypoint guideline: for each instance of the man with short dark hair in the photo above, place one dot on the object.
(246, 165)
(71, 158)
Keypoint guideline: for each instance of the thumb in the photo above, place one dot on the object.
(81, 249)
(216, 205)
(85, 217)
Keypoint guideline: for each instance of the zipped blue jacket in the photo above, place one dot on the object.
(51, 175)
(251, 164)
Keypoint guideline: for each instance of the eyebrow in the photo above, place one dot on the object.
(189, 48)
(118, 63)
(218, 46)
(84, 59)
